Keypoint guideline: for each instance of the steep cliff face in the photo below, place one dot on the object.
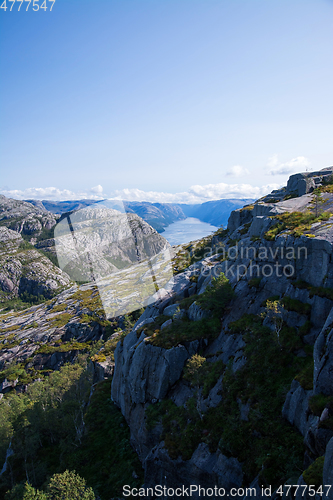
(212, 403)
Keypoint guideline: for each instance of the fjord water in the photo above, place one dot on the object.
(187, 230)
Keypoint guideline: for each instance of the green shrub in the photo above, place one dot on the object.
(217, 296)
(187, 302)
(254, 282)
(201, 373)
(222, 233)
(232, 242)
(59, 308)
(247, 207)
(320, 291)
(25, 492)
(244, 323)
(305, 329)
(293, 194)
(319, 402)
(296, 305)
(314, 474)
(245, 229)
(60, 320)
(183, 331)
(25, 245)
(305, 377)
(64, 347)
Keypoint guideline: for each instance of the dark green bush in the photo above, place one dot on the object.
(296, 305)
(314, 474)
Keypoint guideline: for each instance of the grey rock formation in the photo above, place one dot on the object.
(328, 468)
(24, 217)
(26, 271)
(323, 359)
(203, 469)
(195, 312)
(295, 408)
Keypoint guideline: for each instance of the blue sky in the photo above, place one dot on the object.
(164, 100)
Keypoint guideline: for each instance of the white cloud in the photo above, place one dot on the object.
(198, 193)
(97, 189)
(293, 166)
(237, 171)
(195, 194)
(52, 193)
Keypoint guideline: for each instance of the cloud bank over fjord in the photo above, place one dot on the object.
(195, 194)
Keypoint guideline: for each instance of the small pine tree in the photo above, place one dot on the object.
(69, 486)
(193, 374)
(318, 201)
(274, 311)
(25, 492)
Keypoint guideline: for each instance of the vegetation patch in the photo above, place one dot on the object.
(314, 474)
(305, 329)
(232, 242)
(60, 320)
(59, 308)
(201, 373)
(192, 253)
(297, 223)
(305, 377)
(254, 282)
(215, 299)
(320, 291)
(181, 331)
(247, 207)
(25, 301)
(319, 402)
(246, 228)
(107, 351)
(293, 194)
(64, 347)
(296, 305)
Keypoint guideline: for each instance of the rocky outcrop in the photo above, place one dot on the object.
(24, 217)
(144, 374)
(323, 359)
(25, 272)
(328, 468)
(47, 336)
(204, 469)
(296, 408)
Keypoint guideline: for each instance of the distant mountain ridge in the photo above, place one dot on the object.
(215, 212)
(158, 215)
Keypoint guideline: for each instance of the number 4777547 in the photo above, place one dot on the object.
(44, 5)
